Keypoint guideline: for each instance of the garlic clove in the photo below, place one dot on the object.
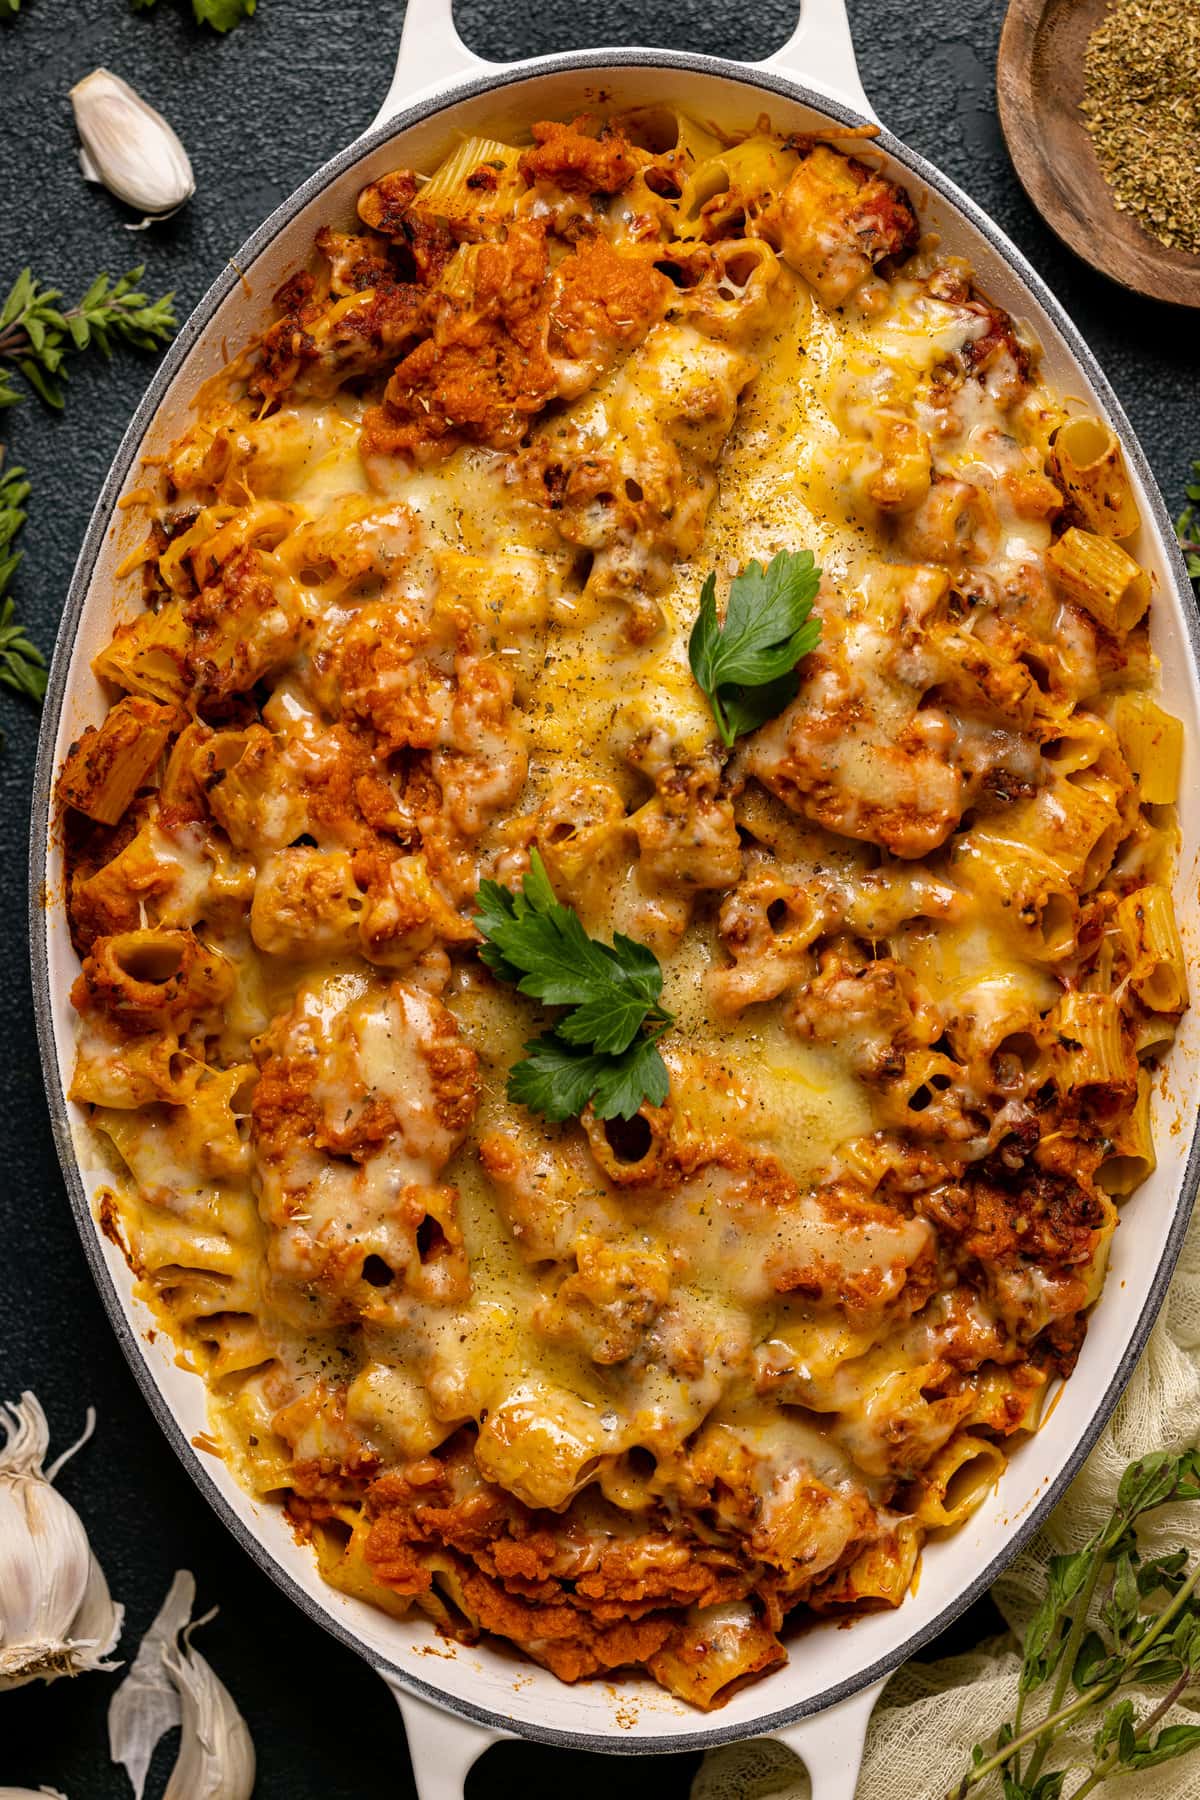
(129, 148)
(146, 1704)
(168, 1685)
(216, 1755)
(97, 1617)
(56, 1614)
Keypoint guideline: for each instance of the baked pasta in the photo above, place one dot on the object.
(418, 585)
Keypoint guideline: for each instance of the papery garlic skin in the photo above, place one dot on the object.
(129, 148)
(170, 1685)
(216, 1755)
(56, 1614)
(146, 1704)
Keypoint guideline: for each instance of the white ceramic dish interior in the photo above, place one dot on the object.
(456, 1700)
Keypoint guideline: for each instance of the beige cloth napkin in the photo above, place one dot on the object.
(930, 1714)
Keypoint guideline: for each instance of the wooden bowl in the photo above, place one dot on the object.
(1039, 84)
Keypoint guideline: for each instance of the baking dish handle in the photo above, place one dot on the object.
(431, 53)
(819, 53)
(443, 1747)
(830, 1744)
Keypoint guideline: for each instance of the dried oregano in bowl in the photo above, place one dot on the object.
(1141, 105)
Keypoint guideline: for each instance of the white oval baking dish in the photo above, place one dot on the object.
(456, 1700)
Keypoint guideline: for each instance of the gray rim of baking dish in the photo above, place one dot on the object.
(444, 99)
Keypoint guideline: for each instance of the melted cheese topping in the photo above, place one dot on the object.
(422, 584)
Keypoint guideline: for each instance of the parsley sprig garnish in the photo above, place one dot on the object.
(604, 1049)
(1110, 1618)
(747, 665)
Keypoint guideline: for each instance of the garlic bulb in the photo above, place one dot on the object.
(129, 148)
(169, 1686)
(56, 1614)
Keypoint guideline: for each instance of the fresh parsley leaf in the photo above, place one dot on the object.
(597, 1051)
(746, 665)
(541, 945)
(558, 1079)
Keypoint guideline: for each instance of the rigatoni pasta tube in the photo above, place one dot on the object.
(1086, 458)
(343, 1562)
(1133, 1157)
(1157, 969)
(148, 656)
(107, 766)
(739, 181)
(882, 1573)
(716, 1645)
(1101, 577)
(476, 186)
(958, 1480)
(1091, 1050)
(1151, 742)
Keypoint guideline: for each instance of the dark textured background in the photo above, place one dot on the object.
(324, 1726)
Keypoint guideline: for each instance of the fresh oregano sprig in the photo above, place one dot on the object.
(1109, 1619)
(36, 336)
(14, 491)
(604, 1048)
(22, 665)
(1187, 527)
(222, 15)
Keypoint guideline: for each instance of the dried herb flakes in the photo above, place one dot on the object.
(1141, 106)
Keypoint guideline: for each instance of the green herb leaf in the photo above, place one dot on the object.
(558, 1079)
(1162, 1572)
(223, 15)
(22, 665)
(14, 491)
(1115, 1720)
(1172, 1741)
(746, 665)
(541, 944)
(1106, 1619)
(1148, 1482)
(36, 335)
(1120, 1610)
(1186, 527)
(1092, 1655)
(596, 1051)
